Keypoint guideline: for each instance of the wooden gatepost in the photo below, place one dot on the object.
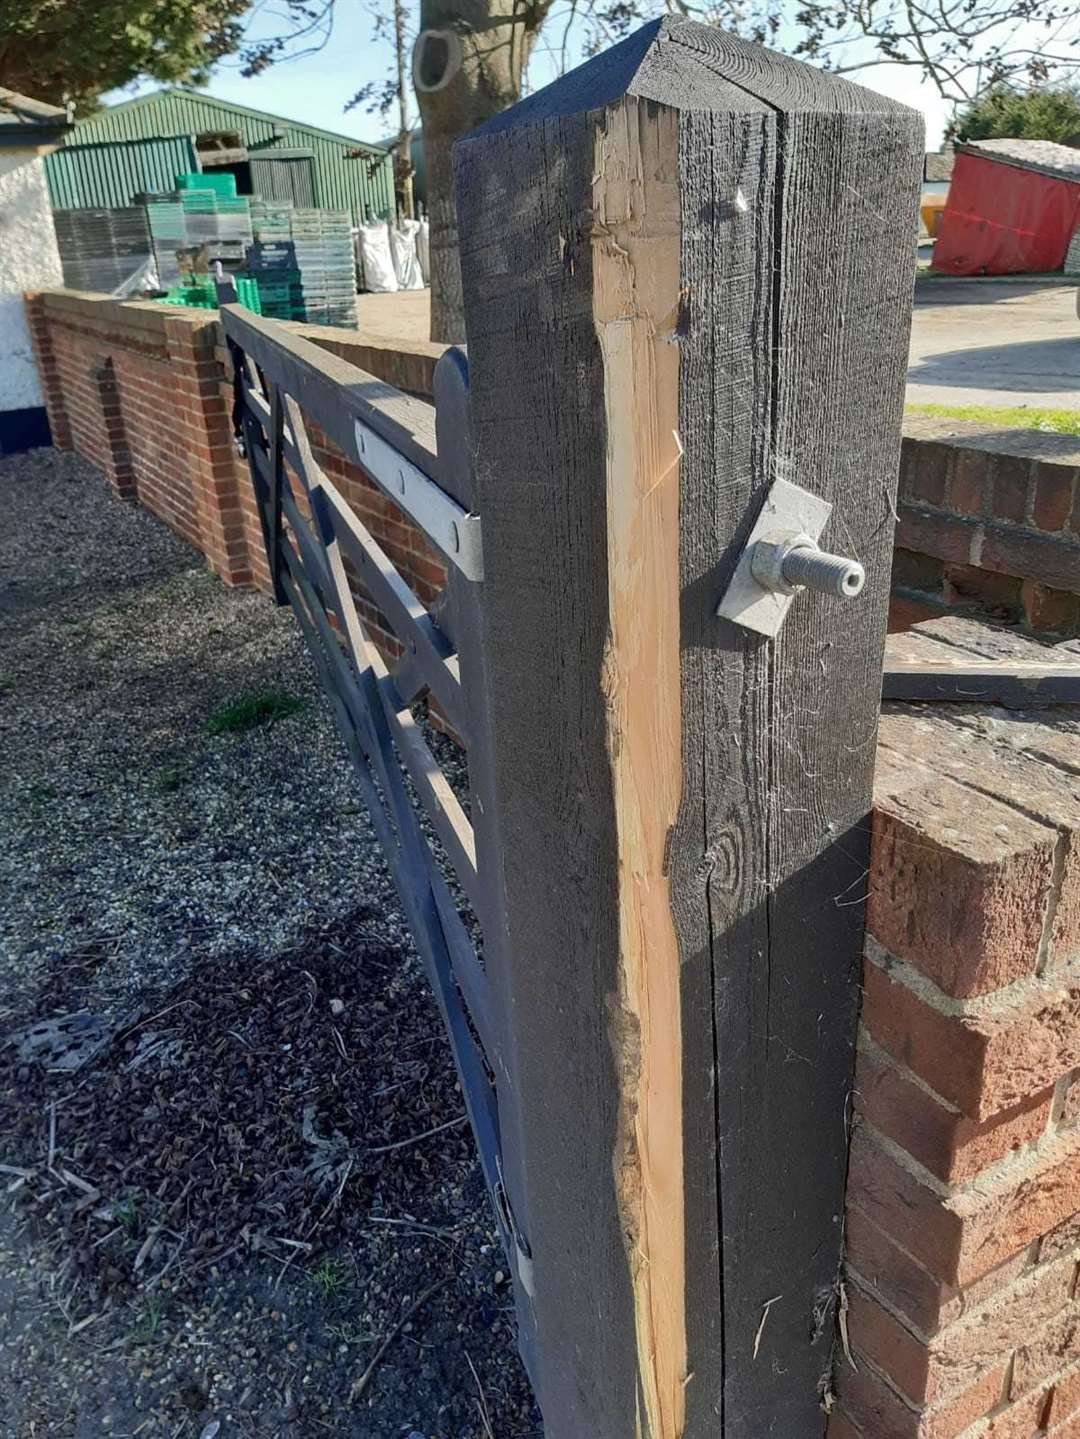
(688, 276)
(662, 488)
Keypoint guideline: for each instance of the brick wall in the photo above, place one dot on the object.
(963, 1236)
(962, 1227)
(144, 391)
(989, 524)
(136, 388)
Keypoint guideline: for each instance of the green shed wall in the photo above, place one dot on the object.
(340, 184)
(83, 177)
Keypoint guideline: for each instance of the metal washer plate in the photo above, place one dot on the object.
(788, 509)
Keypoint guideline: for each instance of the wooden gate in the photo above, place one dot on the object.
(688, 277)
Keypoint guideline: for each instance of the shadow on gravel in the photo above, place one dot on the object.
(234, 1195)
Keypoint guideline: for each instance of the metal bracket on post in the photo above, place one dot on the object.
(781, 558)
(452, 529)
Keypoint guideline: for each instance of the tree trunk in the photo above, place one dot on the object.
(468, 64)
(404, 132)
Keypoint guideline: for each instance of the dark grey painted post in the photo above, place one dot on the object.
(688, 273)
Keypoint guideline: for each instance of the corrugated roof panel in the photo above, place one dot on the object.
(339, 183)
(107, 175)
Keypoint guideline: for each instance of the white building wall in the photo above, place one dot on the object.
(29, 260)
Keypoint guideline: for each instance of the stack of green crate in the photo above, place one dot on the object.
(278, 294)
(222, 183)
(214, 215)
(247, 292)
(271, 219)
(197, 292)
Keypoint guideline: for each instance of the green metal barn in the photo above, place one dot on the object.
(131, 147)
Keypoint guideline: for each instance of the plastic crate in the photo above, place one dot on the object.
(222, 183)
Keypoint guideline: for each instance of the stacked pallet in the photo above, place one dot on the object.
(168, 234)
(215, 216)
(102, 249)
(322, 241)
(271, 219)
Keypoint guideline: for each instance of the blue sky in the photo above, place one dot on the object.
(315, 88)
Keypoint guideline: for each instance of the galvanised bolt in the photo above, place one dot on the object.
(795, 563)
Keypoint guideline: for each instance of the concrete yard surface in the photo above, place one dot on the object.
(995, 342)
(973, 342)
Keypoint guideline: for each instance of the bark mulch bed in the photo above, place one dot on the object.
(238, 1199)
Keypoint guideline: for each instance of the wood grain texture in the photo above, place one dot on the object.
(537, 409)
(797, 201)
(635, 266)
(788, 727)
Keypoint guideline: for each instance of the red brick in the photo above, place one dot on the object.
(1064, 1397)
(927, 1303)
(1054, 489)
(1001, 771)
(933, 534)
(905, 612)
(840, 1427)
(961, 1235)
(1012, 486)
(880, 1413)
(1064, 1238)
(925, 470)
(1031, 555)
(929, 1371)
(1054, 1346)
(982, 1062)
(967, 484)
(1051, 611)
(997, 596)
(1017, 1421)
(958, 886)
(1070, 1103)
(944, 1141)
(1069, 1430)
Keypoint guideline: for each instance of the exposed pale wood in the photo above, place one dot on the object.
(635, 259)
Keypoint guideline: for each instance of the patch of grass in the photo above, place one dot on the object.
(329, 1277)
(350, 1333)
(147, 1326)
(251, 711)
(126, 1214)
(39, 794)
(1053, 422)
(169, 778)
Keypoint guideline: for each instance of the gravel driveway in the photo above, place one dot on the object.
(126, 829)
(240, 1195)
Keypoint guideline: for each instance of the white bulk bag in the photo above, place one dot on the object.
(403, 249)
(376, 257)
(423, 253)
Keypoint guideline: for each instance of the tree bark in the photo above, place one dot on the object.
(404, 132)
(468, 64)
